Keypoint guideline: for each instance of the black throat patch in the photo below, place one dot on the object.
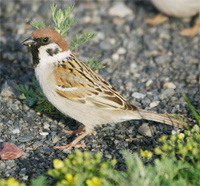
(35, 54)
(52, 52)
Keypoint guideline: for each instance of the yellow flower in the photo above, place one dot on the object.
(71, 180)
(146, 153)
(93, 182)
(58, 164)
(181, 136)
(12, 182)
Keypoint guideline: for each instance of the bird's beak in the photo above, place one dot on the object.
(28, 42)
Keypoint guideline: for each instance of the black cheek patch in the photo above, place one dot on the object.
(52, 52)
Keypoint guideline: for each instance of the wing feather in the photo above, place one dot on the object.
(78, 82)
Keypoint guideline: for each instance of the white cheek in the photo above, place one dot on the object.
(44, 55)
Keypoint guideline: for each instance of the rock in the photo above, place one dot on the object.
(25, 138)
(46, 125)
(149, 82)
(105, 46)
(112, 41)
(10, 151)
(154, 104)
(55, 139)
(118, 21)
(145, 130)
(138, 95)
(96, 20)
(115, 57)
(100, 35)
(14, 107)
(169, 85)
(121, 51)
(44, 133)
(7, 89)
(167, 93)
(16, 131)
(120, 10)
(87, 19)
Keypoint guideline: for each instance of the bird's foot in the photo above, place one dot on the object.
(65, 146)
(73, 144)
(70, 132)
(159, 19)
(191, 32)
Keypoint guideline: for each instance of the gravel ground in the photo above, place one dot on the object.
(151, 66)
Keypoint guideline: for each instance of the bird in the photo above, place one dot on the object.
(179, 9)
(77, 91)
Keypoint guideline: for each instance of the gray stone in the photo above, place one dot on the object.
(145, 130)
(105, 45)
(8, 89)
(167, 93)
(120, 10)
(25, 138)
(138, 95)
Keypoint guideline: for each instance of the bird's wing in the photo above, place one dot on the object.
(77, 82)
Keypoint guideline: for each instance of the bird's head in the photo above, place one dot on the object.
(46, 43)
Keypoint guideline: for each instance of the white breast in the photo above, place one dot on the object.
(44, 70)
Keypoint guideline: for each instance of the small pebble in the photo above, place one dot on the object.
(149, 82)
(167, 93)
(119, 9)
(154, 104)
(169, 85)
(121, 51)
(87, 19)
(115, 57)
(16, 131)
(44, 133)
(138, 95)
(25, 138)
(145, 130)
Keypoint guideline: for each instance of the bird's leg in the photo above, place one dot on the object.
(159, 19)
(73, 143)
(191, 31)
(70, 132)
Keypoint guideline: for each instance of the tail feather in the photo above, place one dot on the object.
(162, 118)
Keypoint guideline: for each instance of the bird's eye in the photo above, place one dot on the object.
(45, 40)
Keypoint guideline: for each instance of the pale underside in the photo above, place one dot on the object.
(178, 8)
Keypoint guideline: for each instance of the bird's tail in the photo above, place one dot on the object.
(162, 118)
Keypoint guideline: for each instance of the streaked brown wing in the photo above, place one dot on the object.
(79, 83)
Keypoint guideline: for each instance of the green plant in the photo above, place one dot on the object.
(32, 95)
(184, 146)
(163, 172)
(81, 168)
(62, 23)
(39, 181)
(10, 182)
(94, 64)
(81, 40)
(197, 117)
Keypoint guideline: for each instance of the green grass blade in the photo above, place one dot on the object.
(197, 117)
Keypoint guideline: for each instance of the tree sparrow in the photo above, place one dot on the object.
(77, 91)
